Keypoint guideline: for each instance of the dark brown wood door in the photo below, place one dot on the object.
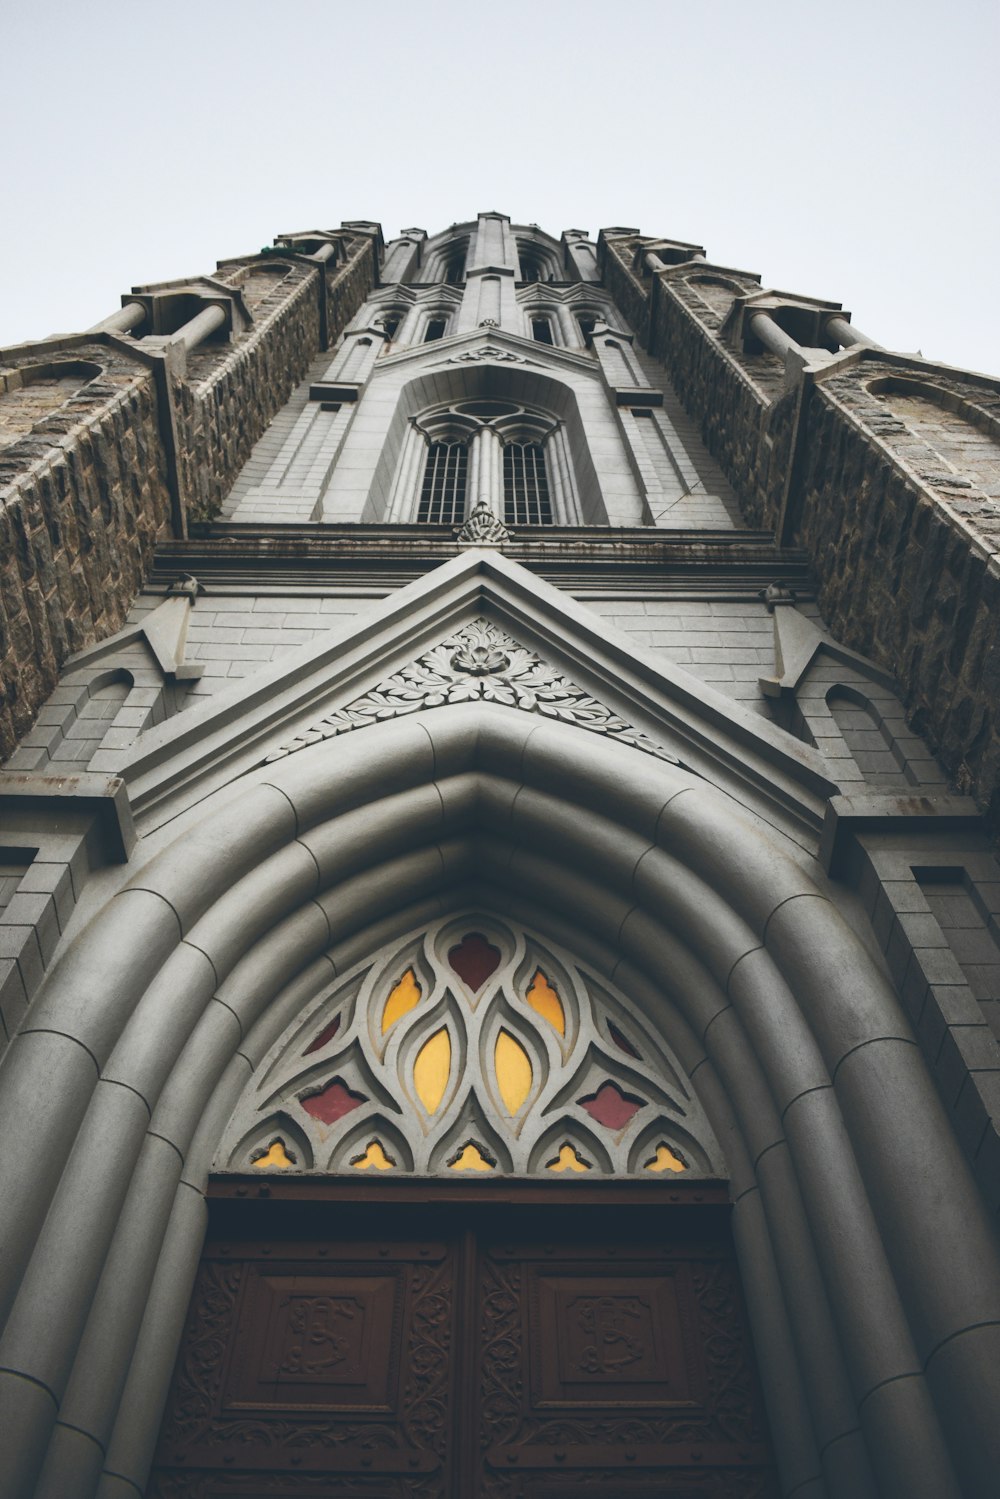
(466, 1352)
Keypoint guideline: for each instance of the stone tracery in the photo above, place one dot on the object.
(484, 1049)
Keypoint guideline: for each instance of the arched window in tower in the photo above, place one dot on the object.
(526, 499)
(442, 493)
(587, 322)
(390, 323)
(537, 262)
(454, 270)
(514, 459)
(541, 330)
(436, 328)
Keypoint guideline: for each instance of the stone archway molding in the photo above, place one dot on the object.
(869, 1265)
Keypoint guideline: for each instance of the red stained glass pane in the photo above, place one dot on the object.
(622, 1042)
(611, 1107)
(474, 959)
(335, 1100)
(326, 1034)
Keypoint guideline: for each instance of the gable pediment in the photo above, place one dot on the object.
(559, 658)
(485, 345)
(478, 663)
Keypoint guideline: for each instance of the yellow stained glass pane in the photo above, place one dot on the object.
(568, 1160)
(374, 1159)
(273, 1156)
(665, 1160)
(542, 997)
(405, 994)
(431, 1070)
(470, 1159)
(513, 1071)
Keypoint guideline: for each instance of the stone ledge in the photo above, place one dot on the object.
(104, 798)
(847, 816)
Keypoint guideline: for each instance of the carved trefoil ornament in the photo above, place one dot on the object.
(482, 527)
(488, 351)
(478, 664)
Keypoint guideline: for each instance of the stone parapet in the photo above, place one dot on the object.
(109, 444)
(884, 467)
(232, 391)
(908, 566)
(84, 497)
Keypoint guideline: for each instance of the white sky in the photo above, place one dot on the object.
(844, 149)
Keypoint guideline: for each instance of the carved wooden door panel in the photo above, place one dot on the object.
(321, 1368)
(518, 1353)
(615, 1370)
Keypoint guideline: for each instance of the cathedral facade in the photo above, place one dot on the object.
(500, 967)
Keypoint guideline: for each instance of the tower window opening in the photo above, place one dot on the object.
(541, 330)
(587, 322)
(454, 271)
(391, 322)
(442, 494)
(435, 329)
(525, 485)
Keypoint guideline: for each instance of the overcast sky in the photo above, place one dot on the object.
(845, 149)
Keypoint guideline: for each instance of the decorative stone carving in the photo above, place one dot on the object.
(488, 351)
(489, 322)
(776, 593)
(475, 1046)
(505, 673)
(483, 526)
(481, 661)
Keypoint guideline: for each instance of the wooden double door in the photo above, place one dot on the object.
(465, 1350)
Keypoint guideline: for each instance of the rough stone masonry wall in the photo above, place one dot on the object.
(738, 400)
(232, 392)
(745, 416)
(903, 575)
(84, 494)
(83, 499)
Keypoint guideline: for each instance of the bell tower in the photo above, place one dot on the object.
(499, 908)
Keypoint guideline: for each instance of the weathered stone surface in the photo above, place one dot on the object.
(85, 482)
(83, 501)
(233, 390)
(893, 487)
(905, 576)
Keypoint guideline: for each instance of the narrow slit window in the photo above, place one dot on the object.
(442, 494)
(391, 322)
(587, 325)
(525, 485)
(541, 330)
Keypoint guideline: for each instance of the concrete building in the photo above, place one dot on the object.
(499, 920)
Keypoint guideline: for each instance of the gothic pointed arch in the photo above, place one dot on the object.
(666, 892)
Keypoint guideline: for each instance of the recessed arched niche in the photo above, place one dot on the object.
(258, 282)
(715, 291)
(953, 443)
(30, 394)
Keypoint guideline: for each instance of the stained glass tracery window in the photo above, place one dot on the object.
(474, 1048)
